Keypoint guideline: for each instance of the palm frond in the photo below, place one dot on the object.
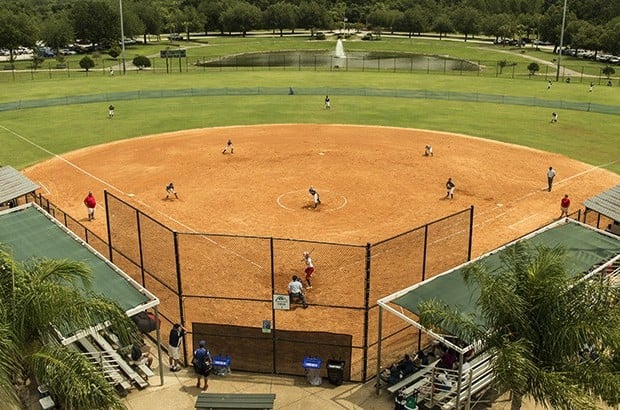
(73, 380)
(10, 366)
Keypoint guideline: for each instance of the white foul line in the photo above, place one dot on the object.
(82, 170)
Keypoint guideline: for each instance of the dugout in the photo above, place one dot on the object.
(605, 207)
(30, 232)
(589, 252)
(13, 187)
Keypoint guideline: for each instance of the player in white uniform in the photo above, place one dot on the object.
(229, 147)
(315, 196)
(428, 150)
(309, 268)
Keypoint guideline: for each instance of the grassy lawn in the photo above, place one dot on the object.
(589, 137)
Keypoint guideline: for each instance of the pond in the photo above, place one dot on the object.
(321, 60)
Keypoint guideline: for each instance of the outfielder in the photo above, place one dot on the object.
(315, 196)
(309, 268)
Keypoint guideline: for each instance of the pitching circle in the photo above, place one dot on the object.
(299, 199)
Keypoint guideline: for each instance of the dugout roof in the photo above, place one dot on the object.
(606, 203)
(32, 233)
(13, 184)
(588, 251)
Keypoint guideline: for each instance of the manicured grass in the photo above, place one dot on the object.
(590, 137)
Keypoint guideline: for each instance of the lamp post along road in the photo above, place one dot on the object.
(120, 4)
(557, 74)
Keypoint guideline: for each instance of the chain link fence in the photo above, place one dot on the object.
(310, 91)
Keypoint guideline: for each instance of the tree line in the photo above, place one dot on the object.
(590, 24)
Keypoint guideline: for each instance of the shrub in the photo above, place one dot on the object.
(609, 71)
(114, 52)
(87, 63)
(533, 68)
(141, 62)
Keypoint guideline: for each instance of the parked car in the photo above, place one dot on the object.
(46, 52)
(175, 37)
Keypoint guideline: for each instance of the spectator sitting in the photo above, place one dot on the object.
(140, 354)
(400, 370)
(442, 381)
(448, 359)
(438, 350)
(422, 359)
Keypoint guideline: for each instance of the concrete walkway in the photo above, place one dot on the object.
(179, 392)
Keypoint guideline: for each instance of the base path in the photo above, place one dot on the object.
(374, 182)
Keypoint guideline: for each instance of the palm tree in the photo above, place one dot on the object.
(38, 299)
(537, 319)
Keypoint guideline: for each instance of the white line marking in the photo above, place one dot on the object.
(44, 187)
(521, 221)
(82, 170)
(192, 230)
(279, 202)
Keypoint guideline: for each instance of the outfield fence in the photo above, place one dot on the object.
(308, 91)
(304, 60)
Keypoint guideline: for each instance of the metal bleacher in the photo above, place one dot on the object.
(111, 369)
(428, 386)
(116, 369)
(475, 381)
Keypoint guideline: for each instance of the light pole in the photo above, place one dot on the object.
(120, 4)
(557, 74)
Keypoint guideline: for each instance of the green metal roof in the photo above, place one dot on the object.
(13, 184)
(606, 203)
(31, 233)
(586, 248)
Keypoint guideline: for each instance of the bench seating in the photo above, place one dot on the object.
(144, 369)
(110, 369)
(126, 368)
(412, 378)
(234, 401)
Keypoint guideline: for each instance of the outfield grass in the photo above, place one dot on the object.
(589, 137)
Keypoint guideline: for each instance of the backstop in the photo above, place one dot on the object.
(222, 287)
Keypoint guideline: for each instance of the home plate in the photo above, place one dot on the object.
(131, 195)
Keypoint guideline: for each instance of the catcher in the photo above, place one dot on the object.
(315, 197)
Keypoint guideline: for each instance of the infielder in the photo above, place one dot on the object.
(171, 191)
(309, 268)
(450, 188)
(229, 147)
(428, 150)
(315, 196)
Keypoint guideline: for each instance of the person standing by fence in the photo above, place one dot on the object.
(91, 204)
(564, 205)
(174, 345)
(202, 364)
